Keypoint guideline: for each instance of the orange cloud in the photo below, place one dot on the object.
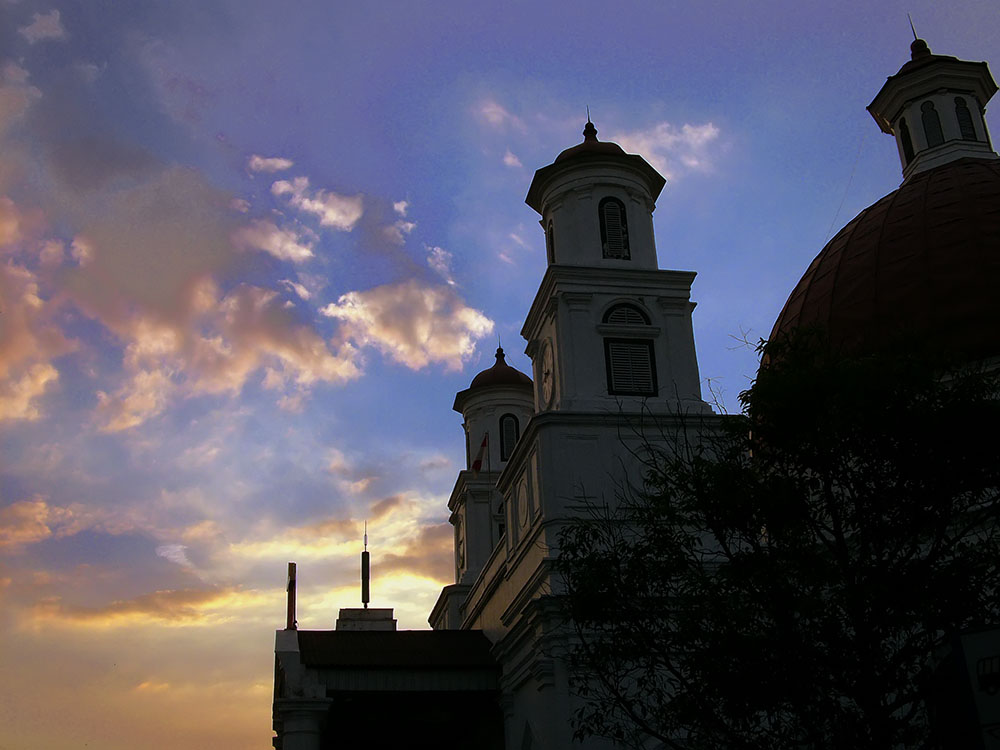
(329, 527)
(173, 607)
(221, 345)
(29, 521)
(29, 339)
(16, 94)
(22, 523)
(431, 554)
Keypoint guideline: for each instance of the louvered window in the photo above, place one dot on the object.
(509, 433)
(964, 117)
(614, 229)
(631, 368)
(626, 315)
(932, 125)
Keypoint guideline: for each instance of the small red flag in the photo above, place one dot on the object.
(478, 463)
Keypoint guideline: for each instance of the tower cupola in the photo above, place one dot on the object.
(496, 407)
(596, 203)
(935, 107)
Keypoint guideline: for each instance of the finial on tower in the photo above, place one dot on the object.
(908, 18)
(589, 131)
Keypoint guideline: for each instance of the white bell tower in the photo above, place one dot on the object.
(607, 329)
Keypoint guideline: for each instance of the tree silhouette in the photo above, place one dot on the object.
(793, 579)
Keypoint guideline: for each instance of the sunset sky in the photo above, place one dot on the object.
(250, 250)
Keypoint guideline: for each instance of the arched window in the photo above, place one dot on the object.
(626, 315)
(550, 243)
(630, 362)
(964, 117)
(932, 125)
(509, 434)
(614, 229)
(904, 136)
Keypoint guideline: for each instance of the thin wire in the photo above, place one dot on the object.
(847, 189)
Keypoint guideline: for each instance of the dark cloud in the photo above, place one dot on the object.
(385, 506)
(341, 527)
(430, 554)
(93, 162)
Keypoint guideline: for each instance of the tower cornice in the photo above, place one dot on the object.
(675, 285)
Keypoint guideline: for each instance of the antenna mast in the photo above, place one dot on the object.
(366, 572)
(290, 590)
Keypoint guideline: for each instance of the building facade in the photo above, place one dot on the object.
(611, 343)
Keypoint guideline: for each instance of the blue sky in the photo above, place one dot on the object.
(249, 251)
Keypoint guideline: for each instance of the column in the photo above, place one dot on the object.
(302, 722)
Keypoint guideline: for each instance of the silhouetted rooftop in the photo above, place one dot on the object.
(428, 649)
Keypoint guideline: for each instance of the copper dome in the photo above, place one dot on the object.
(922, 262)
(500, 374)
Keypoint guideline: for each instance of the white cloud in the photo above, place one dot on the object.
(175, 553)
(411, 322)
(298, 288)
(397, 231)
(671, 149)
(496, 115)
(439, 260)
(284, 244)
(518, 240)
(338, 211)
(88, 71)
(43, 26)
(511, 160)
(401, 207)
(269, 163)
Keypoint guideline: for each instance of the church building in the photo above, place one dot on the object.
(611, 341)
